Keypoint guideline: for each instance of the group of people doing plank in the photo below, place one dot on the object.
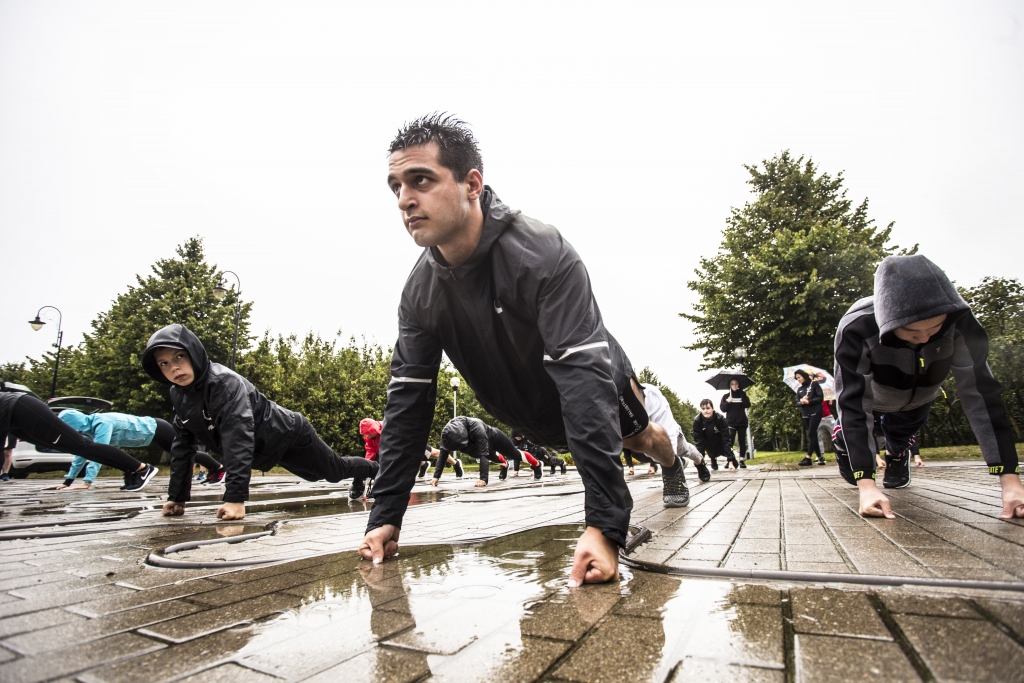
(508, 300)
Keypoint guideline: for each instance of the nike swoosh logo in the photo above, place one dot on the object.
(185, 421)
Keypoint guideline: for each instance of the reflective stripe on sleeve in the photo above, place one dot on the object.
(574, 349)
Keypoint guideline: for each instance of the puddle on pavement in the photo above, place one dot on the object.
(501, 610)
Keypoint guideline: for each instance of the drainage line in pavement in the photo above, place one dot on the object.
(818, 577)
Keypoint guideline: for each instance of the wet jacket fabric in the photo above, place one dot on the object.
(878, 373)
(814, 398)
(734, 406)
(224, 412)
(520, 322)
(7, 400)
(711, 436)
(115, 429)
(370, 430)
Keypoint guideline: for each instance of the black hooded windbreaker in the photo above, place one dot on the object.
(223, 411)
(878, 373)
(519, 321)
(466, 434)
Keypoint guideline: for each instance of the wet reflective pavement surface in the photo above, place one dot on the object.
(88, 607)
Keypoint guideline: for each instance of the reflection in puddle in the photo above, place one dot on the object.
(494, 611)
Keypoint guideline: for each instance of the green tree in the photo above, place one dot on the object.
(791, 262)
(181, 290)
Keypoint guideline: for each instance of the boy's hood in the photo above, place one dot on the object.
(369, 427)
(77, 420)
(175, 337)
(455, 436)
(912, 288)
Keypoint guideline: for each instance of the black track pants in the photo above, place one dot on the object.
(33, 421)
(310, 458)
(500, 443)
(811, 423)
(742, 433)
(165, 436)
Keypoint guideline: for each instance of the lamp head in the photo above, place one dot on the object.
(455, 382)
(220, 291)
(36, 324)
(740, 353)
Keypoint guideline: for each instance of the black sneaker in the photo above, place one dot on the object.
(806, 462)
(538, 471)
(821, 460)
(358, 488)
(503, 473)
(369, 489)
(702, 471)
(216, 478)
(423, 469)
(458, 469)
(136, 481)
(562, 462)
(674, 492)
(897, 471)
(714, 464)
(845, 469)
(743, 465)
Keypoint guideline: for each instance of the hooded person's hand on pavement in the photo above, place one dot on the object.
(596, 559)
(380, 543)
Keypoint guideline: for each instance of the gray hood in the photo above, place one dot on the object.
(912, 288)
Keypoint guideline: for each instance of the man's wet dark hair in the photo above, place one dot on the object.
(707, 402)
(458, 150)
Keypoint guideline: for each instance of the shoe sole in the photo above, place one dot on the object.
(674, 504)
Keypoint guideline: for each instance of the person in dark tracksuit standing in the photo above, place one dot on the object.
(809, 398)
(508, 300)
(711, 435)
(222, 410)
(734, 406)
(893, 351)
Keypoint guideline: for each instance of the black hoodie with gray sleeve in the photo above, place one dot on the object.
(876, 372)
(223, 411)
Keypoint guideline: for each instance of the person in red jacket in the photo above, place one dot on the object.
(371, 429)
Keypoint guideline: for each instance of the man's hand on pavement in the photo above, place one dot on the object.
(381, 543)
(873, 502)
(172, 509)
(231, 511)
(596, 559)
(1013, 496)
(434, 482)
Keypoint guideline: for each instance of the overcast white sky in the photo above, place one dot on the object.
(126, 127)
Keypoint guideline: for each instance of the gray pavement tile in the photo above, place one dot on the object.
(77, 658)
(6, 655)
(738, 633)
(174, 661)
(697, 669)
(250, 589)
(812, 553)
(229, 673)
(647, 596)
(764, 561)
(140, 598)
(928, 605)
(1009, 612)
(964, 649)
(60, 599)
(818, 567)
(947, 557)
(755, 545)
(35, 621)
(55, 637)
(621, 649)
(209, 621)
(824, 659)
(702, 551)
(838, 613)
(521, 662)
(379, 664)
(567, 616)
(755, 594)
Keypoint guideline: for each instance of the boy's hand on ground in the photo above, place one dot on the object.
(596, 559)
(231, 511)
(873, 502)
(381, 543)
(172, 509)
(1013, 496)
(434, 482)
(58, 487)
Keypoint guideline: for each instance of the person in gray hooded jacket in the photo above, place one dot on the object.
(509, 301)
(216, 407)
(893, 351)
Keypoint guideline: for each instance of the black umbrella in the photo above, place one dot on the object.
(720, 380)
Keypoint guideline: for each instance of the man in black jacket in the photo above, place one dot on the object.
(478, 440)
(508, 300)
(220, 409)
(711, 434)
(893, 351)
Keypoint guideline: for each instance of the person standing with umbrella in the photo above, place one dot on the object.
(809, 398)
(734, 406)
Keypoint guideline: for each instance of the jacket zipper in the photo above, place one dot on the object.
(918, 366)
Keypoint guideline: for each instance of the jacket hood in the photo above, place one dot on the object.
(912, 288)
(175, 337)
(369, 427)
(77, 420)
(497, 217)
(455, 436)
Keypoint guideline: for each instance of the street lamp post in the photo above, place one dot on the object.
(220, 291)
(455, 397)
(740, 354)
(37, 325)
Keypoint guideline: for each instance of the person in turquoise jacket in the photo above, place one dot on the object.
(123, 431)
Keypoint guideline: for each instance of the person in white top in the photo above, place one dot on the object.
(659, 411)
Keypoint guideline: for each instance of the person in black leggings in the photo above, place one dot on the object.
(29, 419)
(477, 440)
(630, 455)
(809, 397)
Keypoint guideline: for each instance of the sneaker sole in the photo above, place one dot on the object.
(675, 504)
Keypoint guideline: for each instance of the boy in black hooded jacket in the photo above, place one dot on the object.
(893, 351)
(220, 409)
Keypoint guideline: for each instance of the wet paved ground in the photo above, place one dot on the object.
(79, 602)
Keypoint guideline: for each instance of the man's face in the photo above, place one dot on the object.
(921, 331)
(176, 366)
(435, 208)
(707, 411)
